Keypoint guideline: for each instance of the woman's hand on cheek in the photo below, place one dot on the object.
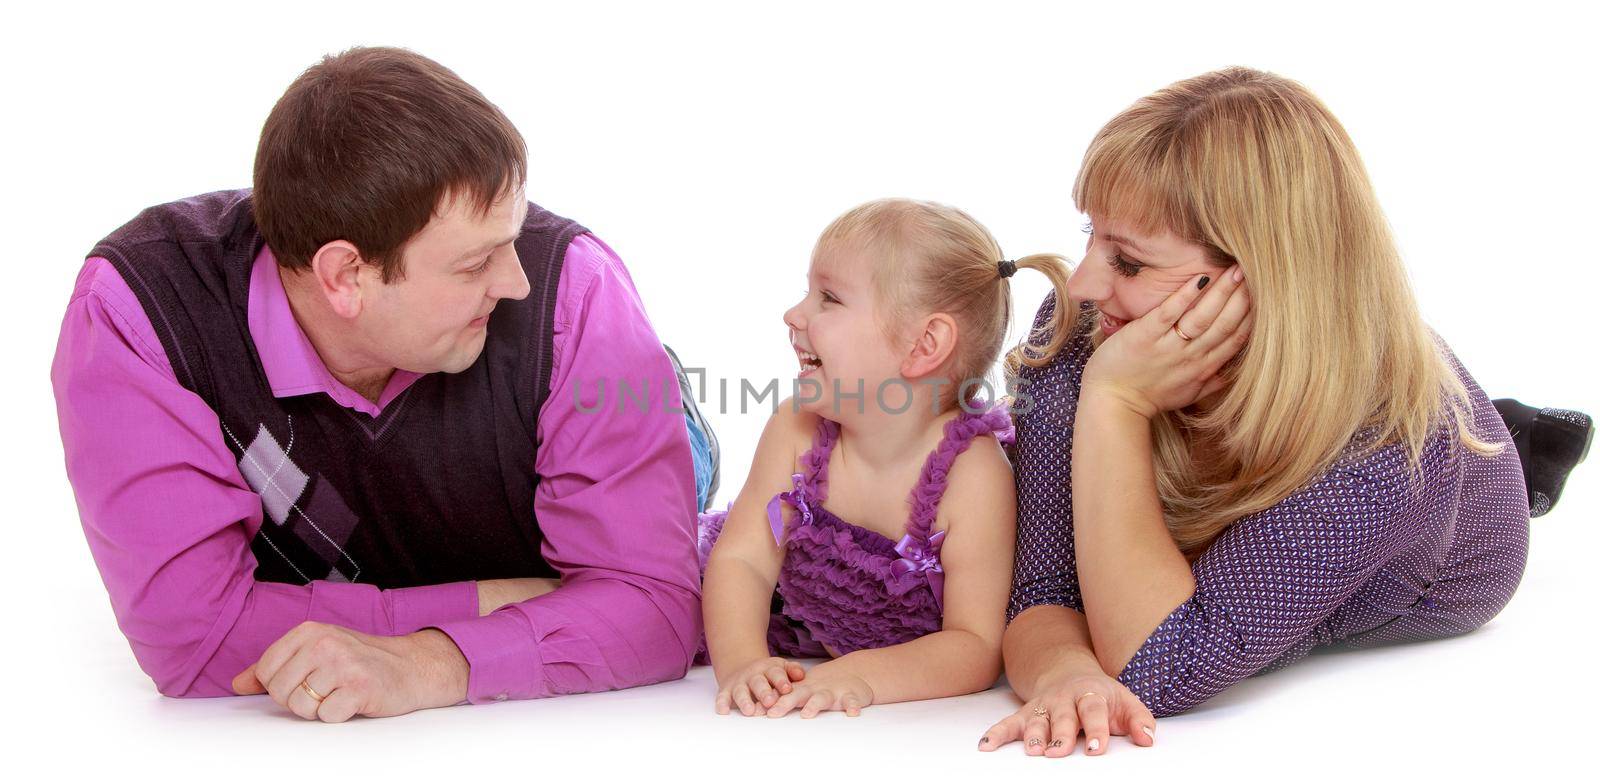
(1170, 357)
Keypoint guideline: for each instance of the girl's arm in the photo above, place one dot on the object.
(964, 656)
(743, 567)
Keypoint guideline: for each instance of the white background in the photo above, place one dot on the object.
(709, 145)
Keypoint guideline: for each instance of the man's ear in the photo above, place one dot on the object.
(935, 342)
(337, 268)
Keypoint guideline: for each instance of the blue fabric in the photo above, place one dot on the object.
(700, 448)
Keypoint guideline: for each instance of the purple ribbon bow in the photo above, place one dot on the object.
(914, 556)
(797, 497)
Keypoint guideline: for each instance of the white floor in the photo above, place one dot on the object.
(1514, 697)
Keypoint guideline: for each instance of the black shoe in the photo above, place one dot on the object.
(1550, 442)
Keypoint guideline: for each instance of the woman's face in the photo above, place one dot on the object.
(1126, 273)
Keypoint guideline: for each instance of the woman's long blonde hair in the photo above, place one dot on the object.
(1253, 167)
(935, 258)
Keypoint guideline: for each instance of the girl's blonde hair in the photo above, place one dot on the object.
(1255, 169)
(934, 258)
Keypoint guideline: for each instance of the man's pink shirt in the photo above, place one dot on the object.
(169, 517)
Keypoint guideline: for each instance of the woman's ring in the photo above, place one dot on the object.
(306, 686)
(1040, 711)
(1179, 330)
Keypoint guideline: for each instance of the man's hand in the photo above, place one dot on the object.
(327, 673)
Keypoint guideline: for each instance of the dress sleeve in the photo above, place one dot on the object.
(1262, 589)
(1046, 570)
(1267, 584)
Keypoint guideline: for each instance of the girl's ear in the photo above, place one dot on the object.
(935, 343)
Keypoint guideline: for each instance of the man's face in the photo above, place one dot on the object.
(434, 319)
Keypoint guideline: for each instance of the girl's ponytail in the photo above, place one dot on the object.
(1062, 322)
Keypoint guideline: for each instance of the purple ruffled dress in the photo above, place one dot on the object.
(848, 587)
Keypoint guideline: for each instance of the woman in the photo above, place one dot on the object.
(1249, 445)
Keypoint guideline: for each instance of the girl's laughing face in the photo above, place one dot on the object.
(838, 335)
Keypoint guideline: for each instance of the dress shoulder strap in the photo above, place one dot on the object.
(810, 485)
(814, 463)
(959, 433)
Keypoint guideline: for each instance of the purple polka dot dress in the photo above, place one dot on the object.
(848, 587)
(1371, 552)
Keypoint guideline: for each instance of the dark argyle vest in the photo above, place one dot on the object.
(437, 488)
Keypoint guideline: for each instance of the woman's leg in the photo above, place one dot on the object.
(1550, 443)
(1488, 556)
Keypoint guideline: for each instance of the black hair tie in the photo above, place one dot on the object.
(1008, 268)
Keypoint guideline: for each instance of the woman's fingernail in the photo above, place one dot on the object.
(983, 741)
(1094, 745)
(1149, 731)
(1204, 281)
(1238, 273)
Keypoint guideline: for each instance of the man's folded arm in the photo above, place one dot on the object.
(615, 503)
(169, 518)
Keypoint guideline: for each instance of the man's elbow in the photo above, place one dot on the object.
(180, 690)
(670, 655)
(180, 672)
(688, 626)
(188, 685)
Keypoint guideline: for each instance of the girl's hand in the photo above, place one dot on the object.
(756, 686)
(1094, 704)
(825, 688)
(1169, 358)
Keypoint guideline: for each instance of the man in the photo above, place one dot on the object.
(336, 438)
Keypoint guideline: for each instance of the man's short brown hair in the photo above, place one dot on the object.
(366, 144)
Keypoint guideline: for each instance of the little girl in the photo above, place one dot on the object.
(907, 308)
